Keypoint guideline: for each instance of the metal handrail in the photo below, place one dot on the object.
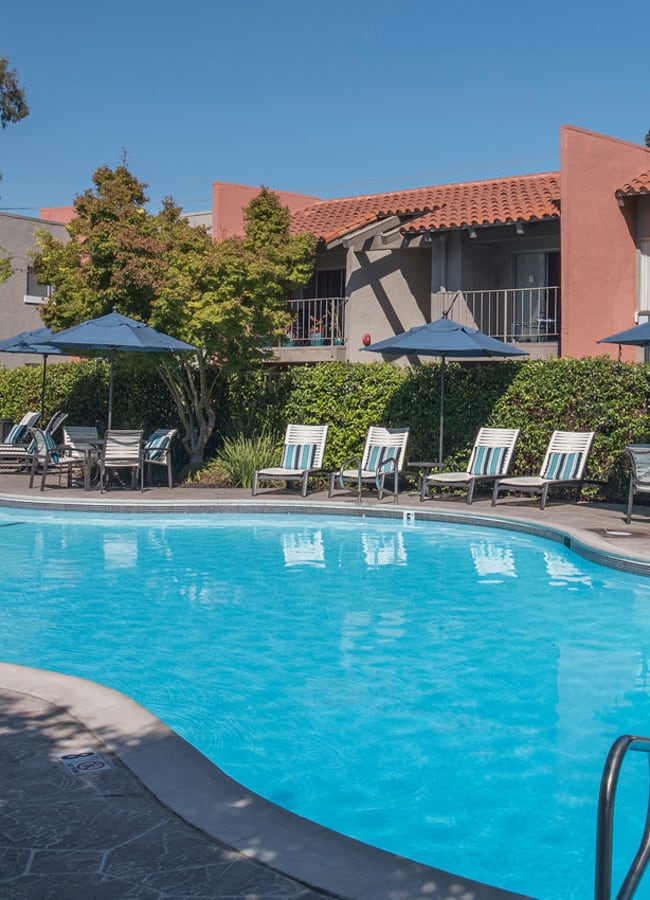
(608, 783)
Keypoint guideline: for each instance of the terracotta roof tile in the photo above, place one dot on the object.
(526, 198)
(640, 185)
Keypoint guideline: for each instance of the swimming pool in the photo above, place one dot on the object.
(446, 692)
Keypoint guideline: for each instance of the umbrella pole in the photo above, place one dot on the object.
(43, 389)
(110, 392)
(441, 430)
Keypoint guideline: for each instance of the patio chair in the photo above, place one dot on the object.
(564, 466)
(158, 451)
(639, 455)
(383, 456)
(49, 458)
(490, 459)
(302, 456)
(121, 450)
(81, 442)
(15, 450)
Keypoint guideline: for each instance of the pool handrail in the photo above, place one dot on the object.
(604, 833)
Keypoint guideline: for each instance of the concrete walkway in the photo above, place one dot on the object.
(144, 814)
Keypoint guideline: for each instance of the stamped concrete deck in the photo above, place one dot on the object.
(154, 818)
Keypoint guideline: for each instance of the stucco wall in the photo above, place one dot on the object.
(389, 291)
(230, 200)
(17, 239)
(598, 240)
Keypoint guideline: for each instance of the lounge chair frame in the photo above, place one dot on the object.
(639, 456)
(157, 451)
(490, 459)
(304, 443)
(384, 454)
(51, 458)
(564, 466)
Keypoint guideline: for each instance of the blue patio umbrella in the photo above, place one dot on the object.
(638, 336)
(114, 333)
(36, 342)
(444, 338)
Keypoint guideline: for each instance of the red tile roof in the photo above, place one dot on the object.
(640, 185)
(475, 203)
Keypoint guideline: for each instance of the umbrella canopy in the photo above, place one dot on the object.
(639, 336)
(444, 338)
(36, 342)
(115, 332)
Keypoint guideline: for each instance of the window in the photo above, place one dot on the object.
(644, 278)
(35, 292)
(326, 283)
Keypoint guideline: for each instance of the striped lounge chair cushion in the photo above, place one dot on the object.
(562, 466)
(51, 446)
(156, 446)
(17, 434)
(379, 455)
(298, 456)
(488, 461)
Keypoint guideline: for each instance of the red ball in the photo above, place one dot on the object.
(366, 340)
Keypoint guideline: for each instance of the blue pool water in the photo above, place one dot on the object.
(445, 692)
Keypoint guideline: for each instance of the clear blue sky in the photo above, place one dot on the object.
(336, 98)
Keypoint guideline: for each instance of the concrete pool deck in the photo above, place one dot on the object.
(158, 820)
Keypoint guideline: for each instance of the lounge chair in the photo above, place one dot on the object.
(639, 455)
(490, 459)
(49, 458)
(302, 456)
(15, 450)
(383, 456)
(158, 451)
(121, 450)
(564, 466)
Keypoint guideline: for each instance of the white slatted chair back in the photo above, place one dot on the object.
(492, 451)
(304, 447)
(77, 438)
(383, 444)
(566, 455)
(19, 433)
(122, 447)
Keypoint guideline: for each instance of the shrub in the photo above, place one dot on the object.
(241, 456)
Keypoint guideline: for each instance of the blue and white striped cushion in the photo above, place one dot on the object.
(488, 461)
(51, 446)
(562, 466)
(156, 446)
(379, 455)
(298, 456)
(16, 435)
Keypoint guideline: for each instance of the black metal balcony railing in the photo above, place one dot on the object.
(316, 323)
(514, 315)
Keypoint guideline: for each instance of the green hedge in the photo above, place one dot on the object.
(538, 396)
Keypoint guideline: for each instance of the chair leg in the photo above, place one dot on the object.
(630, 502)
(170, 474)
(495, 493)
(544, 493)
(470, 491)
(304, 479)
(254, 488)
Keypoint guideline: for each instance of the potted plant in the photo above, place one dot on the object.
(316, 332)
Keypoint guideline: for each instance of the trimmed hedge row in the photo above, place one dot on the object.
(537, 396)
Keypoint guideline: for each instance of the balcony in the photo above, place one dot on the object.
(513, 315)
(316, 333)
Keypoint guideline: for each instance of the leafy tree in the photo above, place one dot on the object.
(13, 106)
(219, 296)
(647, 139)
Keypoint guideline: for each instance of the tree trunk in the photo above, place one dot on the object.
(193, 384)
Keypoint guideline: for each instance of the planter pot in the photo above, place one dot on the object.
(287, 342)
(339, 342)
(316, 340)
